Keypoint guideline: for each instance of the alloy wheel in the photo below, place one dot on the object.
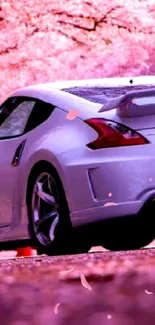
(45, 208)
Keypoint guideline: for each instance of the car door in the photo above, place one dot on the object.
(14, 114)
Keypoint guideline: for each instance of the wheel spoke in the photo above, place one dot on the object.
(49, 183)
(51, 216)
(52, 229)
(45, 196)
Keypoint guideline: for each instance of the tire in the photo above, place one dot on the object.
(62, 239)
(129, 233)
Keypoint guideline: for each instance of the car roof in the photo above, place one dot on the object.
(87, 96)
(104, 82)
(59, 98)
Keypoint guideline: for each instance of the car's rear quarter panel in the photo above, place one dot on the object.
(49, 141)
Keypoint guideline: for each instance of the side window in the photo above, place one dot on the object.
(14, 114)
(19, 115)
(40, 113)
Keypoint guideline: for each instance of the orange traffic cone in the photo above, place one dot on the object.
(24, 251)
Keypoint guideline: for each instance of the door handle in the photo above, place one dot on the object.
(18, 154)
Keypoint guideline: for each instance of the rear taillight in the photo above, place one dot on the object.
(112, 134)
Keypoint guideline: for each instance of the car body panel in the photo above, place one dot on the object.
(8, 179)
(68, 134)
(93, 180)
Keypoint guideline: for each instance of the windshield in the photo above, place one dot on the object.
(97, 94)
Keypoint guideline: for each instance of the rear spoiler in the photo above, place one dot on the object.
(125, 105)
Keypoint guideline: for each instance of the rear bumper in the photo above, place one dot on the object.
(100, 213)
(124, 176)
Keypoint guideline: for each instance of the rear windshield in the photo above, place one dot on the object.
(97, 94)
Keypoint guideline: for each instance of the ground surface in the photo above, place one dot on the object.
(120, 289)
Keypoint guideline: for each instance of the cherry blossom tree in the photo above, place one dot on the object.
(42, 41)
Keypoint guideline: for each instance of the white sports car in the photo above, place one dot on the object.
(70, 182)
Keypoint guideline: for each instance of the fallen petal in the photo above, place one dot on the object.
(96, 249)
(72, 114)
(148, 292)
(107, 204)
(56, 308)
(66, 271)
(85, 283)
